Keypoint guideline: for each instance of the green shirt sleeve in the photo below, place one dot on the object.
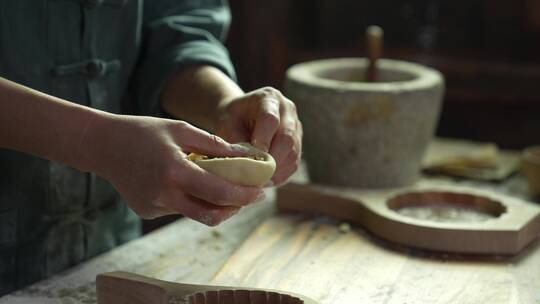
(176, 35)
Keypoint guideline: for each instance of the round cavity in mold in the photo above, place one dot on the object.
(242, 297)
(446, 207)
(358, 74)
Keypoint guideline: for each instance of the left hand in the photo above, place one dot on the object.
(268, 120)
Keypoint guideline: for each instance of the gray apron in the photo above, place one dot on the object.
(106, 55)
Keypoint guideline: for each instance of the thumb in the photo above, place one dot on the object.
(202, 142)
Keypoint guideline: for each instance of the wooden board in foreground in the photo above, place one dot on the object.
(130, 288)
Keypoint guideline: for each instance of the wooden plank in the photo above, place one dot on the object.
(311, 256)
(508, 225)
(128, 288)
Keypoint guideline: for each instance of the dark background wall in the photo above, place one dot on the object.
(488, 50)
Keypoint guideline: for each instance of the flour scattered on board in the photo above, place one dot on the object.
(445, 213)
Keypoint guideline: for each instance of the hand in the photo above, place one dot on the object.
(145, 159)
(269, 121)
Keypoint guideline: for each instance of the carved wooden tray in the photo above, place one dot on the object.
(510, 224)
(125, 287)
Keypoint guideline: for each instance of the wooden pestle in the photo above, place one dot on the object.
(374, 44)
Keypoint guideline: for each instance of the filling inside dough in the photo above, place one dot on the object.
(195, 156)
(254, 169)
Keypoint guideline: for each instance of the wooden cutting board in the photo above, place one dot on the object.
(428, 215)
(311, 256)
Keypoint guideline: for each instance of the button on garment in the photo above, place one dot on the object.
(98, 53)
(92, 68)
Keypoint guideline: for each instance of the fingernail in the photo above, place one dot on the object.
(261, 196)
(260, 145)
(269, 184)
(239, 148)
(235, 211)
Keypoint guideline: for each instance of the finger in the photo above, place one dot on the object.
(196, 140)
(200, 210)
(289, 160)
(213, 189)
(299, 135)
(289, 135)
(154, 213)
(282, 177)
(267, 123)
(291, 163)
(234, 132)
(283, 145)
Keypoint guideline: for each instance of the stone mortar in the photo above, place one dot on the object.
(361, 134)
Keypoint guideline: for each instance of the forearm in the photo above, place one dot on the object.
(197, 93)
(43, 125)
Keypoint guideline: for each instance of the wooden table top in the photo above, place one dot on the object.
(298, 253)
(313, 257)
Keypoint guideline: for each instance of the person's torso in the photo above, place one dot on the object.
(53, 216)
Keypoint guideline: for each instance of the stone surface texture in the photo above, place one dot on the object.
(363, 134)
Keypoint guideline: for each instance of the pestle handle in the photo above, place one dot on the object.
(374, 42)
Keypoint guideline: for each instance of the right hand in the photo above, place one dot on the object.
(144, 158)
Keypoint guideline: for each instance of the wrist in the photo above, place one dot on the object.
(223, 103)
(198, 94)
(93, 141)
